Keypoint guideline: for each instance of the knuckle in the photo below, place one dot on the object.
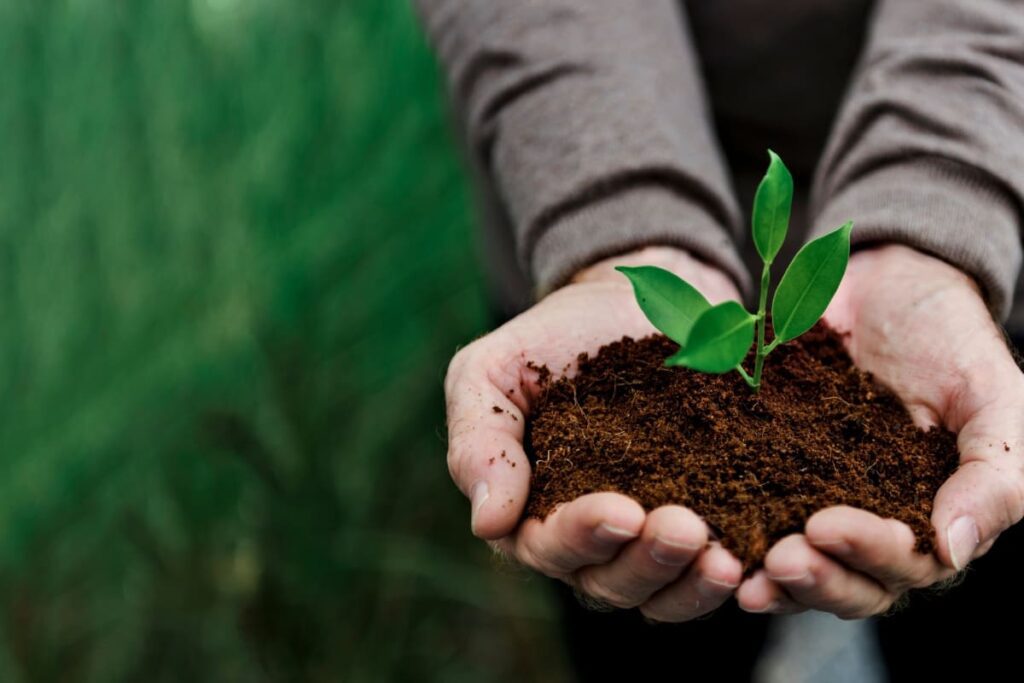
(456, 463)
(863, 611)
(453, 467)
(455, 367)
(882, 605)
(597, 589)
(918, 578)
(832, 593)
(529, 558)
(833, 600)
(461, 367)
(860, 612)
(654, 613)
(1006, 492)
(460, 426)
(538, 557)
(459, 449)
(505, 371)
(669, 614)
(1015, 496)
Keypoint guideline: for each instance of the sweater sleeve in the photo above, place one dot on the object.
(928, 149)
(590, 121)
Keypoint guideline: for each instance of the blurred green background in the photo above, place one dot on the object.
(236, 253)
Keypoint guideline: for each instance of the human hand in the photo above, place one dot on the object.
(604, 544)
(921, 327)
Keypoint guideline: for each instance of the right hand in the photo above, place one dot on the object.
(603, 544)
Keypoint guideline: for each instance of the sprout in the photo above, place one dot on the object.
(716, 339)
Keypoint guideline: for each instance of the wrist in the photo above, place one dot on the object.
(896, 282)
(711, 281)
(879, 267)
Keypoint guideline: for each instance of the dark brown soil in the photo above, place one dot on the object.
(755, 466)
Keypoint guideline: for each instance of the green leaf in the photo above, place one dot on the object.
(719, 339)
(669, 302)
(772, 205)
(809, 283)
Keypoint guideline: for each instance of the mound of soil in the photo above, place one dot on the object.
(754, 466)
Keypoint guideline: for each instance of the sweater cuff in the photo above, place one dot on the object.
(626, 221)
(943, 208)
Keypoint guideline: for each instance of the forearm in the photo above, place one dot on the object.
(929, 147)
(589, 118)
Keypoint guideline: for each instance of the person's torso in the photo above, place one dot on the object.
(775, 74)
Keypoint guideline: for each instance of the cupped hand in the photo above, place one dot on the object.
(604, 544)
(922, 328)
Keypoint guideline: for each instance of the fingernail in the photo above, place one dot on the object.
(963, 540)
(671, 553)
(710, 588)
(770, 607)
(805, 580)
(609, 533)
(478, 495)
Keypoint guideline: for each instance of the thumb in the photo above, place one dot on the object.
(983, 498)
(485, 444)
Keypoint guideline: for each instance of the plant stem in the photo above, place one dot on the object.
(747, 378)
(761, 320)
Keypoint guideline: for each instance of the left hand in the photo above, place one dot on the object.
(921, 328)
(604, 544)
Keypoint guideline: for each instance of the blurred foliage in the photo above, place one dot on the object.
(235, 256)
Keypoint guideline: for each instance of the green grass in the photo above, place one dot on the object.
(235, 257)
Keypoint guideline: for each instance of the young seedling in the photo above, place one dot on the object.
(716, 339)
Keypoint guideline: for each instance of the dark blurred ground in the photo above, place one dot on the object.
(235, 257)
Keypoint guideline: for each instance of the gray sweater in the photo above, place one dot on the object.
(599, 126)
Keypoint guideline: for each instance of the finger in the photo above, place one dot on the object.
(709, 582)
(589, 530)
(985, 496)
(982, 499)
(814, 580)
(485, 435)
(880, 548)
(671, 538)
(761, 595)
